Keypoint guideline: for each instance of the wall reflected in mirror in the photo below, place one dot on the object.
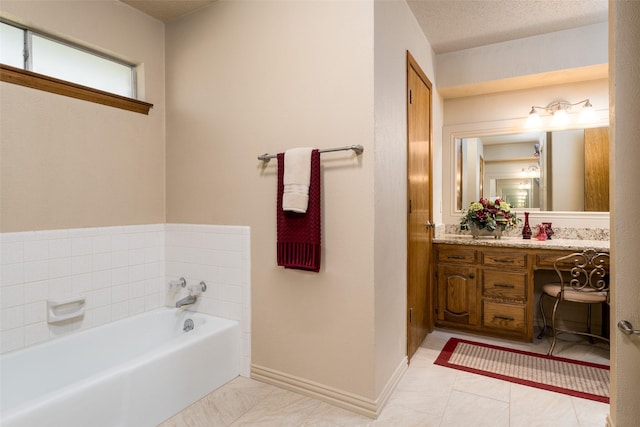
(566, 170)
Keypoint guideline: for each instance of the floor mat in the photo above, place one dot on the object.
(572, 377)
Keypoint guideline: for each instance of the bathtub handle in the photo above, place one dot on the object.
(180, 283)
(65, 309)
(197, 289)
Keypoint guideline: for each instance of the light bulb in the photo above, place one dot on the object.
(560, 118)
(587, 114)
(533, 121)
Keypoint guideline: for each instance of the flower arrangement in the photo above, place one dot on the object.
(489, 214)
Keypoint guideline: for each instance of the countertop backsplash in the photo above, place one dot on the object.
(559, 232)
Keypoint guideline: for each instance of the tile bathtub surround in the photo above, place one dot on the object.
(219, 256)
(122, 271)
(118, 269)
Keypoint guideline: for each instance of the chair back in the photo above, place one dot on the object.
(588, 271)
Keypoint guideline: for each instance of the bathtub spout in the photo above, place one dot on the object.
(189, 299)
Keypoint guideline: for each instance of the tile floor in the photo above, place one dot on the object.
(427, 395)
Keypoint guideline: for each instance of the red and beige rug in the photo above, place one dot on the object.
(572, 377)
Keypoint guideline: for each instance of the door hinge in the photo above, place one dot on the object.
(410, 96)
(409, 205)
(410, 314)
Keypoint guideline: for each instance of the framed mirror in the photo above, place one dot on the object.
(559, 175)
(537, 170)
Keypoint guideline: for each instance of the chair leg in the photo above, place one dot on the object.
(591, 340)
(544, 319)
(553, 327)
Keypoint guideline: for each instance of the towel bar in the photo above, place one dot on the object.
(358, 149)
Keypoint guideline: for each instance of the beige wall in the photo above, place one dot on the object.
(545, 56)
(517, 103)
(245, 78)
(68, 163)
(625, 136)
(396, 31)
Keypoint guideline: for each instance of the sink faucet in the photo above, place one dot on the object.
(189, 299)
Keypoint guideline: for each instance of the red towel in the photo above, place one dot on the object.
(299, 234)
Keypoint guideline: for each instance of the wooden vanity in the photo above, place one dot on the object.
(486, 286)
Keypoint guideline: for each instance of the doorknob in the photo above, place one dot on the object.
(626, 327)
(430, 224)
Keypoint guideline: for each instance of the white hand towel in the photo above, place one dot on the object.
(297, 175)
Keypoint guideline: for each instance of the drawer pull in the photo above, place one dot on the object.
(503, 260)
(504, 285)
(455, 257)
(501, 317)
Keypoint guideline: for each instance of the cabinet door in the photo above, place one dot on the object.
(457, 294)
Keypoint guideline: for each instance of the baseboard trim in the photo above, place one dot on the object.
(343, 399)
(391, 385)
(609, 421)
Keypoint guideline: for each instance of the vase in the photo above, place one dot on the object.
(548, 230)
(477, 232)
(526, 230)
(542, 235)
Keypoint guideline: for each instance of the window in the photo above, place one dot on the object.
(11, 45)
(42, 62)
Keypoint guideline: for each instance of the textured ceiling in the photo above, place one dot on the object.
(452, 25)
(455, 24)
(167, 10)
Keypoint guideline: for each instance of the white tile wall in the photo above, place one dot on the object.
(39, 265)
(219, 256)
(122, 271)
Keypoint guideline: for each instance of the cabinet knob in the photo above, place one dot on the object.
(472, 275)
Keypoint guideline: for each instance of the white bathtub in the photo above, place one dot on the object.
(135, 372)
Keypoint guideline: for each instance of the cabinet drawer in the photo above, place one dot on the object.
(500, 284)
(546, 260)
(457, 255)
(508, 317)
(502, 259)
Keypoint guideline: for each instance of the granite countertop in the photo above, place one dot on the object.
(519, 242)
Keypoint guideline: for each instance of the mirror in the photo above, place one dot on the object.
(554, 171)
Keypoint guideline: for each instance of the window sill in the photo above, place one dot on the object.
(50, 84)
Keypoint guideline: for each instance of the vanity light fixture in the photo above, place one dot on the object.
(531, 172)
(559, 111)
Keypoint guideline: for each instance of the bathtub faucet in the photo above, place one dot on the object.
(189, 299)
(194, 291)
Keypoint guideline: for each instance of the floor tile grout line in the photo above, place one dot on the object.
(272, 390)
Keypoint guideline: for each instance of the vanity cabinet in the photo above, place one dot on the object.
(457, 286)
(487, 287)
(484, 290)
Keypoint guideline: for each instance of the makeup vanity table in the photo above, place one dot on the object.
(486, 285)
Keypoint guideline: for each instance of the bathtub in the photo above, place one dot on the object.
(135, 372)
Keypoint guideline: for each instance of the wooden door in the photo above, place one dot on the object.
(596, 170)
(419, 229)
